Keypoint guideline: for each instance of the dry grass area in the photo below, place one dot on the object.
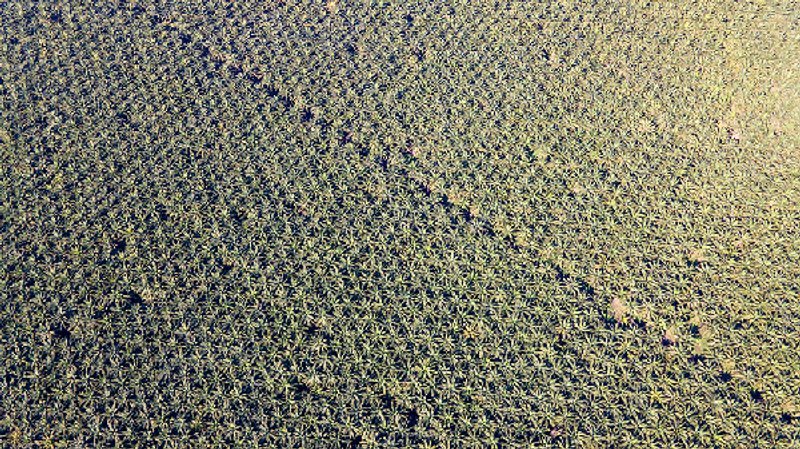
(400, 224)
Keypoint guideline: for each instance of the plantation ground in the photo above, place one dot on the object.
(400, 224)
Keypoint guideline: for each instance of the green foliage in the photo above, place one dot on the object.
(399, 224)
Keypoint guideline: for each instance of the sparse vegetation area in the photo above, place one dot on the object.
(400, 224)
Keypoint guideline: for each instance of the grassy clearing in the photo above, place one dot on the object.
(345, 224)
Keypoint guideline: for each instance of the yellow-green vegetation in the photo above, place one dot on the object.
(400, 224)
